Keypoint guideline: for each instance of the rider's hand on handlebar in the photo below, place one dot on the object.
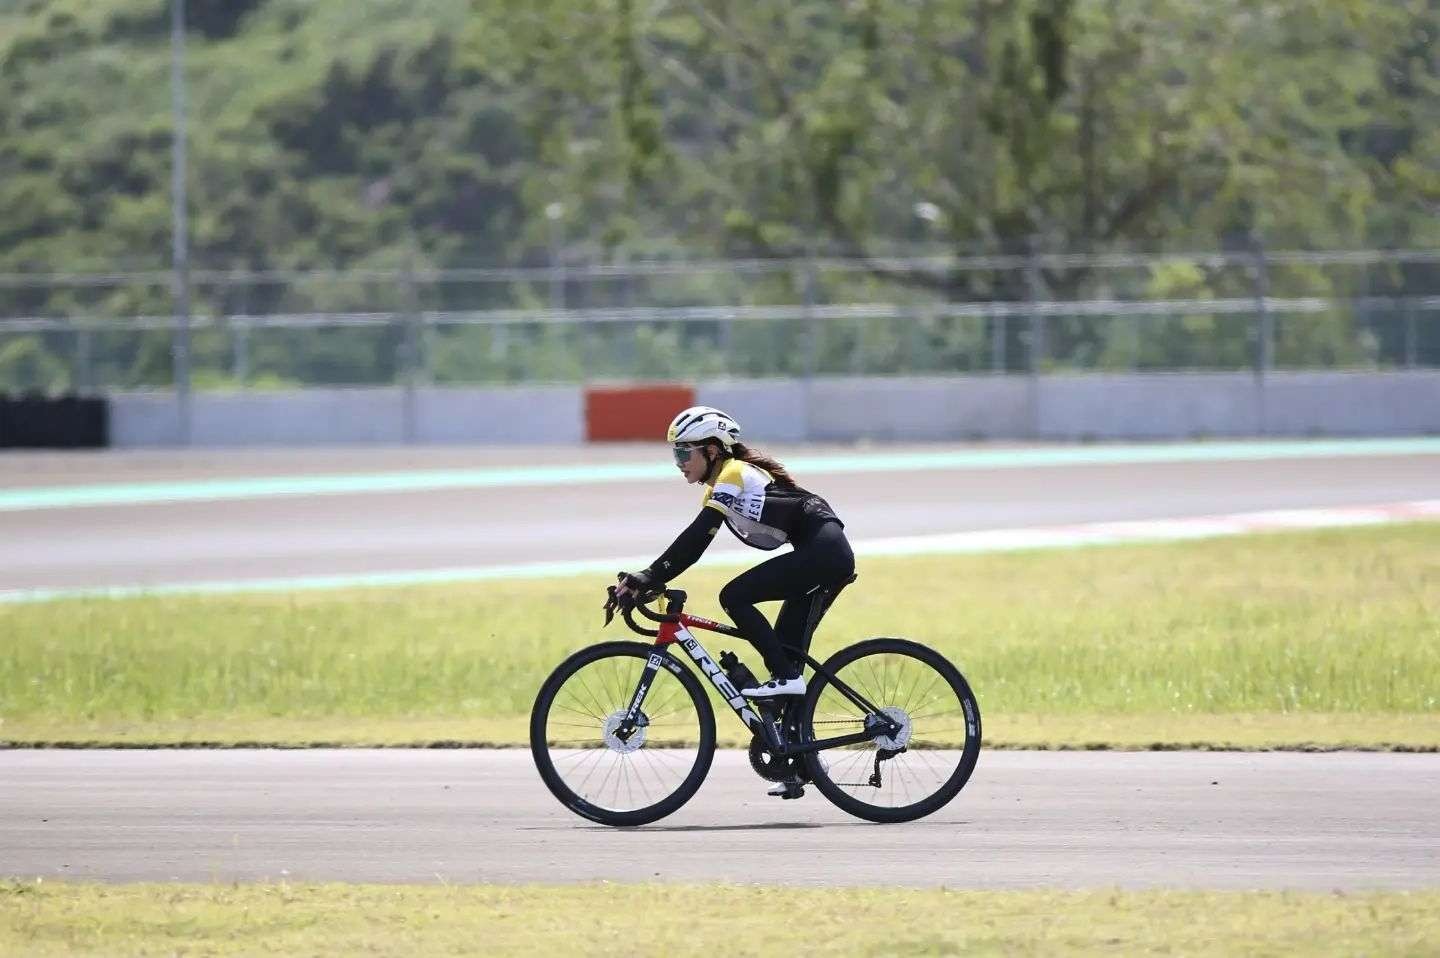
(632, 586)
(632, 589)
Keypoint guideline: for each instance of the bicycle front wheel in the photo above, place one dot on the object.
(591, 765)
(908, 774)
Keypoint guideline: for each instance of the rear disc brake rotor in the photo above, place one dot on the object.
(898, 741)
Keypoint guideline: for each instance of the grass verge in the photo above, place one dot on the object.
(1317, 639)
(1303, 731)
(608, 919)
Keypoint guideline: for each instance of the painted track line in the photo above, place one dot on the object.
(958, 543)
(148, 493)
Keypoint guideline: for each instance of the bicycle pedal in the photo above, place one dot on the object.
(788, 790)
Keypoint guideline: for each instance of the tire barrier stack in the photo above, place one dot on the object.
(35, 421)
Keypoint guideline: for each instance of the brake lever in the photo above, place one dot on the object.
(611, 604)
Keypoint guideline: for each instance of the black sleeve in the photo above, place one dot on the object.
(688, 546)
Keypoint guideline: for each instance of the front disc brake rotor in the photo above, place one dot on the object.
(614, 742)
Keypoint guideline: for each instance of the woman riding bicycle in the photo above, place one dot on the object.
(888, 749)
(763, 506)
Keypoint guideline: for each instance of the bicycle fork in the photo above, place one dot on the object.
(635, 717)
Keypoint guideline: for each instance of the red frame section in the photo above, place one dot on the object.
(669, 630)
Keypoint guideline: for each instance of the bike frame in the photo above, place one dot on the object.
(675, 629)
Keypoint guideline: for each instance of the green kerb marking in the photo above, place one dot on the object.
(67, 497)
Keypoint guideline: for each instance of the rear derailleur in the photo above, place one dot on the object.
(883, 755)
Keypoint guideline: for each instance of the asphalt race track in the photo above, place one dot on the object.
(236, 539)
(1026, 820)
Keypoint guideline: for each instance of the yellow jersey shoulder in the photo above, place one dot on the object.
(730, 482)
(732, 473)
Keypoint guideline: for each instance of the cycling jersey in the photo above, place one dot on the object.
(760, 512)
(766, 515)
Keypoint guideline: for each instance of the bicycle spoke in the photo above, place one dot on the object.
(594, 755)
(656, 771)
(912, 691)
(958, 710)
(936, 678)
(596, 701)
(910, 697)
(585, 712)
(590, 758)
(625, 774)
(595, 720)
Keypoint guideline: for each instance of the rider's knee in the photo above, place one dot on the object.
(733, 597)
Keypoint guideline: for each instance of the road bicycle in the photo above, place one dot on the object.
(623, 733)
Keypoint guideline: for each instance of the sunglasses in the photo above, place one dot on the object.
(683, 454)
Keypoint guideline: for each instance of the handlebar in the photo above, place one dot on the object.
(674, 600)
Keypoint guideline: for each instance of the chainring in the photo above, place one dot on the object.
(770, 767)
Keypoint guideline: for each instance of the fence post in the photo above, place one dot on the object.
(998, 328)
(240, 349)
(1035, 346)
(588, 335)
(812, 328)
(180, 328)
(84, 359)
(812, 337)
(410, 350)
(910, 361)
(1264, 331)
(1411, 338)
(554, 213)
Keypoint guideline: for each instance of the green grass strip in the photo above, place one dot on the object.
(109, 494)
(48, 919)
(1307, 639)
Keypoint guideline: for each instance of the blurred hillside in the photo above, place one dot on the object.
(435, 133)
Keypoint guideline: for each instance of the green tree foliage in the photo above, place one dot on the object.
(449, 132)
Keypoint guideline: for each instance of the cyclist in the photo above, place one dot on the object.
(764, 507)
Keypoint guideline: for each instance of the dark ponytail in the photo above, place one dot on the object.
(778, 472)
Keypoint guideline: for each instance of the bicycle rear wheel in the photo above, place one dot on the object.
(919, 769)
(579, 750)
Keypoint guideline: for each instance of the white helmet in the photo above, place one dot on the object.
(699, 423)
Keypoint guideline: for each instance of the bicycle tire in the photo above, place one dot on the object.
(555, 781)
(969, 753)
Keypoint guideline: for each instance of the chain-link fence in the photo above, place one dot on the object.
(583, 321)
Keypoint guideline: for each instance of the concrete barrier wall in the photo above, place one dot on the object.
(1191, 405)
(519, 415)
(1353, 404)
(525, 414)
(1148, 406)
(842, 409)
(1136, 406)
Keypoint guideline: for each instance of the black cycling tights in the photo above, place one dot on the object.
(825, 559)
